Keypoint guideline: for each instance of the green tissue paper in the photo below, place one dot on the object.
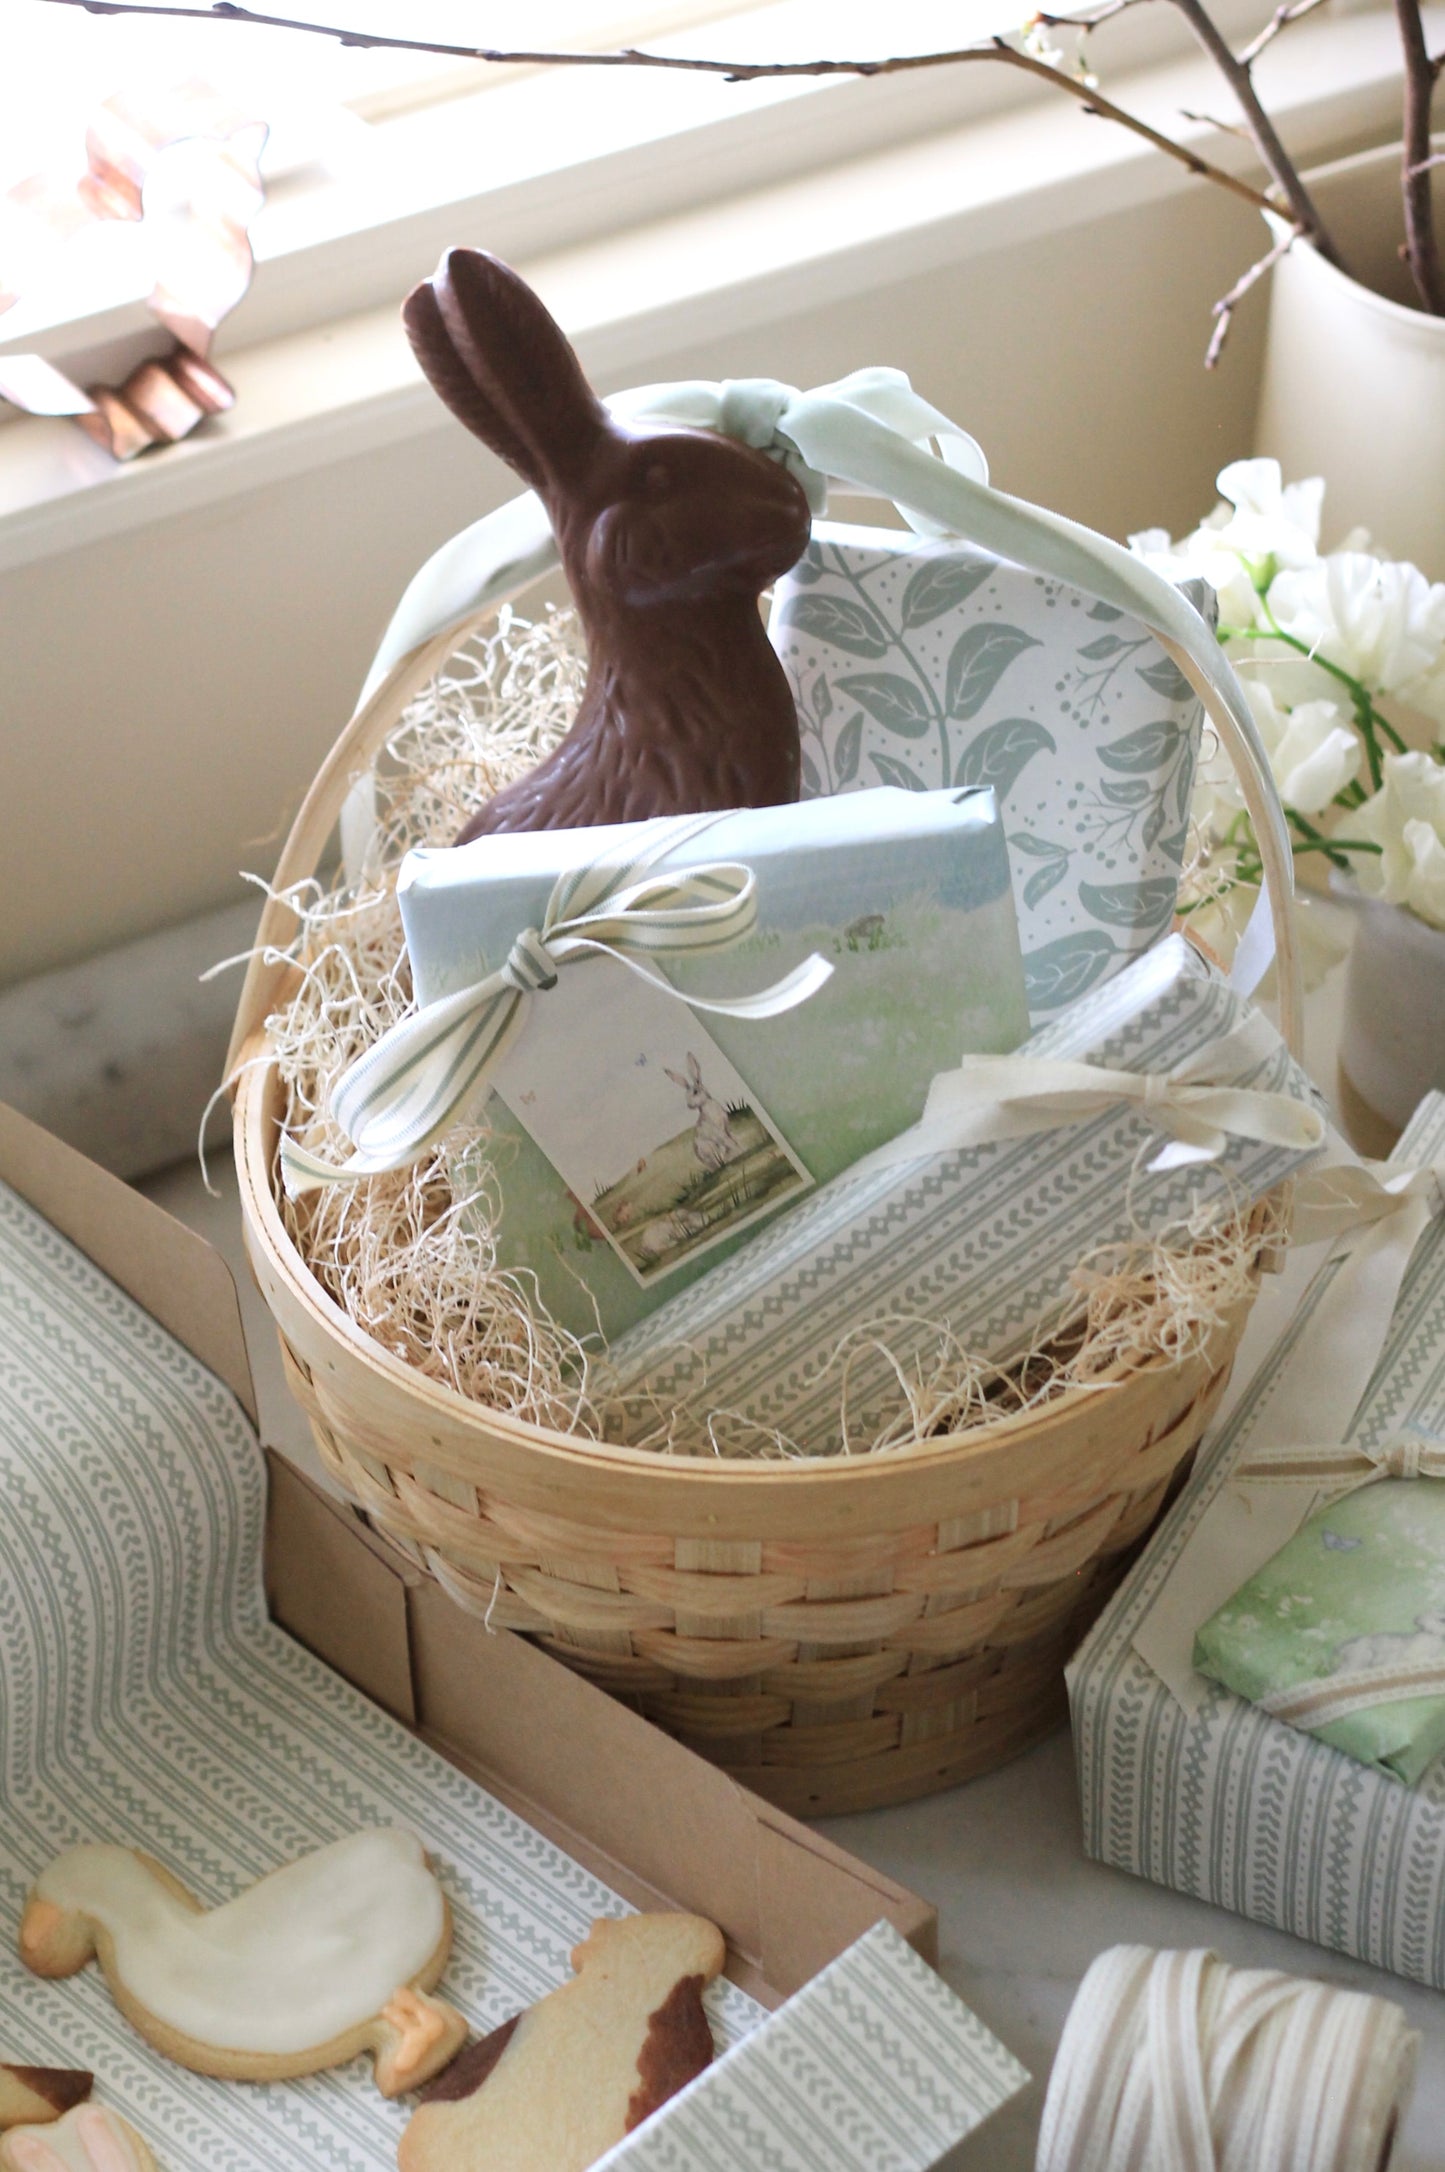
(1359, 1589)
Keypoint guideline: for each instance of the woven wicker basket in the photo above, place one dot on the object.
(838, 1635)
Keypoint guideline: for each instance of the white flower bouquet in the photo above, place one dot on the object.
(1342, 654)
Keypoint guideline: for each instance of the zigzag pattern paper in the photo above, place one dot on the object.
(1228, 1803)
(146, 1699)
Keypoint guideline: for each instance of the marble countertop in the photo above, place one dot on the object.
(1022, 1913)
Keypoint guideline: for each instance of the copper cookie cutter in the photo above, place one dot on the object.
(204, 259)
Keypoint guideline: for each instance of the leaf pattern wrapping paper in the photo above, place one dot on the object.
(926, 662)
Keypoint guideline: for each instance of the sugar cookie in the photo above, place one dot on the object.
(556, 2087)
(92, 2139)
(331, 1955)
(29, 2095)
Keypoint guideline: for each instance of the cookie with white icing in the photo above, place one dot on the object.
(92, 2139)
(332, 1955)
(558, 2086)
(29, 2095)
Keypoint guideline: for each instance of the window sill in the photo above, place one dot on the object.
(318, 396)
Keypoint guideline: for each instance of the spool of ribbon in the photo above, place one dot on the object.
(1175, 2062)
(430, 1068)
(1010, 1097)
(1378, 1214)
(870, 431)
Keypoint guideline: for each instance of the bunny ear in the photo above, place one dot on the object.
(694, 1066)
(504, 366)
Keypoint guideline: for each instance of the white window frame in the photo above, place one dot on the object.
(630, 145)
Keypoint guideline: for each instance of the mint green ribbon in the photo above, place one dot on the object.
(872, 432)
(430, 1068)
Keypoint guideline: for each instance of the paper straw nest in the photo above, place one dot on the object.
(414, 1264)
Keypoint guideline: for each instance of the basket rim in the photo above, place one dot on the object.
(729, 1478)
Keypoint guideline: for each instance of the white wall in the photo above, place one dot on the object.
(169, 690)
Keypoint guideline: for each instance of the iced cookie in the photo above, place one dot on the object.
(330, 1956)
(29, 2095)
(556, 2087)
(91, 2139)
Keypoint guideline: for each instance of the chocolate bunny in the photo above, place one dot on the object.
(667, 537)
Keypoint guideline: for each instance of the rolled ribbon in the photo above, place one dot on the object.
(433, 1065)
(872, 432)
(1176, 2062)
(990, 1098)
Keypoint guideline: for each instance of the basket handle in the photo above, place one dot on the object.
(349, 759)
(266, 973)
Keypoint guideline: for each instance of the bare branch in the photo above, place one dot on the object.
(1088, 19)
(1422, 245)
(1280, 166)
(1236, 129)
(1436, 158)
(1224, 308)
(1293, 12)
(995, 49)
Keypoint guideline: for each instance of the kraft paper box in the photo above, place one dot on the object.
(983, 1241)
(926, 662)
(1225, 1802)
(633, 1141)
(875, 2066)
(149, 1694)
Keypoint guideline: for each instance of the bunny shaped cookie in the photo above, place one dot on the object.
(667, 537)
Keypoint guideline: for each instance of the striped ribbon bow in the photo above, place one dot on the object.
(430, 1068)
(1010, 1097)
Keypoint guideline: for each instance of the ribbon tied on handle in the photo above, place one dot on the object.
(429, 1069)
(873, 433)
(991, 1098)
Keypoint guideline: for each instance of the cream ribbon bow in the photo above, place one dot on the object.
(430, 1068)
(991, 1098)
(872, 432)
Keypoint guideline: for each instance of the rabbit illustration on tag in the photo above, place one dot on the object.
(668, 537)
(714, 1141)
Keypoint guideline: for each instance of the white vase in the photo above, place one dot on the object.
(1392, 1038)
(1354, 375)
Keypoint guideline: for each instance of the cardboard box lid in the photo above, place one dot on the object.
(660, 1825)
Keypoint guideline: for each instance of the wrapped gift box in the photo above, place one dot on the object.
(927, 662)
(875, 2066)
(150, 1694)
(1221, 1800)
(634, 1141)
(983, 1241)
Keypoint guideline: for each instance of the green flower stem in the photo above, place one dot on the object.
(1367, 717)
(1334, 848)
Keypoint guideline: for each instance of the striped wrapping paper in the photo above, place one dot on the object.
(1227, 1803)
(984, 1241)
(146, 1699)
(874, 2066)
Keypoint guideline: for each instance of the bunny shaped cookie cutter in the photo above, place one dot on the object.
(668, 536)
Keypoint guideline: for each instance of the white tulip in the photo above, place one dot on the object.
(1406, 818)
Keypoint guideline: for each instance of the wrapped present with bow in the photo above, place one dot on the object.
(924, 661)
(1155, 1101)
(673, 1028)
(1248, 1707)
